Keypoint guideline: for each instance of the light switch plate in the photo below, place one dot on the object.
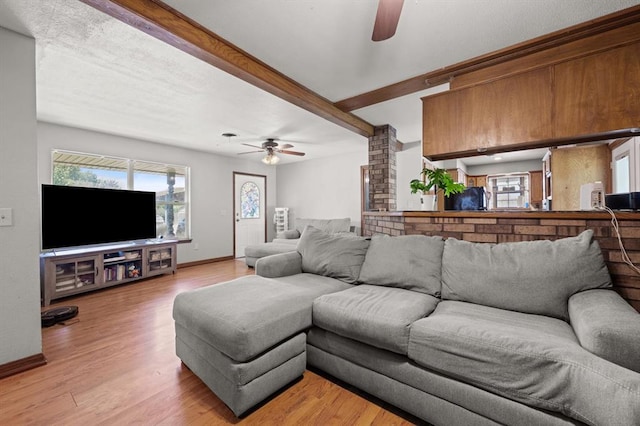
(6, 217)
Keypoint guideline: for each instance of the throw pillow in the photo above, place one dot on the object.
(535, 277)
(332, 255)
(411, 262)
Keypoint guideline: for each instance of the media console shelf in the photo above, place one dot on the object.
(67, 272)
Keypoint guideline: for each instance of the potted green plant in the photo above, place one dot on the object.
(436, 179)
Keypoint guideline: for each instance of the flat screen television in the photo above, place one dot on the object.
(75, 216)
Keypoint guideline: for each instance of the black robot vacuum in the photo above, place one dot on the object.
(56, 315)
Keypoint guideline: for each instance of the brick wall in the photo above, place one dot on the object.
(508, 227)
(382, 169)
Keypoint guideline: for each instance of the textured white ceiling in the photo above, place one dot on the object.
(97, 73)
(326, 44)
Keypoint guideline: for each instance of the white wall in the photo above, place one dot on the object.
(408, 167)
(20, 334)
(499, 167)
(211, 184)
(324, 188)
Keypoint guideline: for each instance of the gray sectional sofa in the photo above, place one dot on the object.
(286, 241)
(453, 332)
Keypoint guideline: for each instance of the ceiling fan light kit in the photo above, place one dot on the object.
(271, 147)
(271, 159)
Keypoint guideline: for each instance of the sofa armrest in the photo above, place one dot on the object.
(279, 265)
(290, 234)
(607, 326)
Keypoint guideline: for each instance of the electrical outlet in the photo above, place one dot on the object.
(196, 246)
(6, 217)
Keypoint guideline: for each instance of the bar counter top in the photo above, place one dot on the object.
(512, 214)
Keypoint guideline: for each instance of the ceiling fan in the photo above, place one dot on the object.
(387, 19)
(271, 147)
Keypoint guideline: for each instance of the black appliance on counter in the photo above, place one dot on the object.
(473, 198)
(624, 201)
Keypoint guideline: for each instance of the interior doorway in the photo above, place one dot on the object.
(249, 210)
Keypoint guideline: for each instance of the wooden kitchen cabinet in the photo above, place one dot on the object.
(440, 123)
(598, 93)
(567, 100)
(477, 180)
(505, 113)
(535, 182)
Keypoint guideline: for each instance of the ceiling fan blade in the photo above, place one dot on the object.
(286, 146)
(249, 152)
(284, 151)
(386, 19)
(252, 146)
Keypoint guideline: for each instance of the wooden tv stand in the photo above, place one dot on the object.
(67, 272)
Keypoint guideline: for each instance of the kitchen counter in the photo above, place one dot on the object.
(539, 214)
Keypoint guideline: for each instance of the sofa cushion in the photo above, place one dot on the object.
(246, 316)
(331, 226)
(533, 359)
(412, 262)
(378, 316)
(536, 277)
(332, 255)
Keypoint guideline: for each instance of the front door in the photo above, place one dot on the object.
(250, 201)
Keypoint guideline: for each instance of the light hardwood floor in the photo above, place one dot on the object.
(115, 364)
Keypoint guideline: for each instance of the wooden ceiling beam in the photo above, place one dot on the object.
(443, 75)
(167, 24)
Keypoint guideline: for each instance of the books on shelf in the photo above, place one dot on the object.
(114, 273)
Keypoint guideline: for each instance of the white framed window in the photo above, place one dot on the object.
(509, 191)
(170, 183)
(625, 166)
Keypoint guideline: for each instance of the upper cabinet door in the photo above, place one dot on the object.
(509, 112)
(598, 93)
(441, 131)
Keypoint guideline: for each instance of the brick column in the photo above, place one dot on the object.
(382, 169)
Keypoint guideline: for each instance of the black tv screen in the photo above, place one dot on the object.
(76, 216)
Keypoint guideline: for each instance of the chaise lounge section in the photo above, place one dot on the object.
(452, 332)
(246, 338)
